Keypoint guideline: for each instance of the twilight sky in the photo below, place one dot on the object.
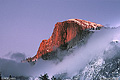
(25, 23)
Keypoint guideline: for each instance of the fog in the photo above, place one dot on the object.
(81, 56)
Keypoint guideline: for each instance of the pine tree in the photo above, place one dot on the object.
(53, 78)
(44, 77)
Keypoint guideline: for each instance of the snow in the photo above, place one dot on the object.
(75, 21)
(85, 24)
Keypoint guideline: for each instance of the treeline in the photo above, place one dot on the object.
(46, 77)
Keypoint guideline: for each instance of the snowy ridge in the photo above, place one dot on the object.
(85, 24)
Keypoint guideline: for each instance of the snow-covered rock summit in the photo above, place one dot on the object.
(65, 35)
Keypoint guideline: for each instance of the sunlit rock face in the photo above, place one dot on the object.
(65, 35)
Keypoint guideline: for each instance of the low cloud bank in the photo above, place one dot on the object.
(71, 64)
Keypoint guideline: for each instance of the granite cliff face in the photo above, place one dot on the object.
(65, 35)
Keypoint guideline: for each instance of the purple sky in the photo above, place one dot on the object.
(25, 23)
